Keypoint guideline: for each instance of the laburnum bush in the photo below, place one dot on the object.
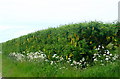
(73, 41)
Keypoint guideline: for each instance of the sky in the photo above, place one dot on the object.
(20, 17)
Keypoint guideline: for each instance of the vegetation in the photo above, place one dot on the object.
(85, 46)
(0, 64)
(33, 69)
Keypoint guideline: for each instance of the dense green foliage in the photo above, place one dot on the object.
(0, 63)
(74, 40)
(0, 46)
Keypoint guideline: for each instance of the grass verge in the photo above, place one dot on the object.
(31, 69)
(0, 64)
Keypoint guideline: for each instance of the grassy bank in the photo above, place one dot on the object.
(0, 64)
(32, 69)
(87, 49)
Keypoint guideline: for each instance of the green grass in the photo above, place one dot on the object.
(0, 63)
(110, 70)
(32, 69)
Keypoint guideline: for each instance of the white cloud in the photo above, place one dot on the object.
(47, 10)
(19, 16)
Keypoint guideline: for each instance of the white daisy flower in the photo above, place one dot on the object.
(106, 59)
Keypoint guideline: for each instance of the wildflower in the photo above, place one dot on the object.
(99, 56)
(107, 56)
(104, 54)
(95, 59)
(61, 58)
(103, 47)
(96, 49)
(40, 56)
(23, 52)
(57, 57)
(51, 63)
(71, 64)
(31, 57)
(74, 62)
(44, 55)
(35, 56)
(99, 46)
(106, 59)
(68, 61)
(83, 59)
(68, 58)
(27, 54)
(14, 53)
(85, 63)
(110, 54)
(90, 42)
(78, 63)
(95, 54)
(114, 58)
(54, 55)
(46, 60)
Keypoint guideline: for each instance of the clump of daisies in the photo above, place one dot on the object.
(17, 56)
(37, 56)
(105, 57)
(98, 58)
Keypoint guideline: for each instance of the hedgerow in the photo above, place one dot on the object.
(73, 41)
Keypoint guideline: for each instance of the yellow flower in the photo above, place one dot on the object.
(115, 34)
(94, 47)
(92, 28)
(48, 36)
(70, 55)
(115, 40)
(90, 42)
(66, 57)
(77, 38)
(75, 34)
(108, 38)
(48, 56)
